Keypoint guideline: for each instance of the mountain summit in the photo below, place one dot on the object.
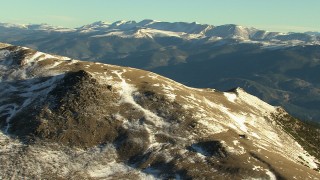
(65, 118)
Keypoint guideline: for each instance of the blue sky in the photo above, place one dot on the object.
(273, 15)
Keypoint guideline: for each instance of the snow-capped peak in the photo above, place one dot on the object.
(147, 22)
(206, 32)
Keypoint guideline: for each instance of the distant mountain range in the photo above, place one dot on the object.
(62, 118)
(191, 31)
(280, 68)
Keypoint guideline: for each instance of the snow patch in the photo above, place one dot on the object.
(309, 160)
(153, 75)
(238, 151)
(29, 94)
(257, 168)
(236, 142)
(171, 96)
(105, 171)
(168, 92)
(230, 96)
(33, 58)
(239, 119)
(271, 175)
(213, 127)
(55, 64)
(149, 33)
(192, 97)
(126, 93)
(255, 135)
(254, 101)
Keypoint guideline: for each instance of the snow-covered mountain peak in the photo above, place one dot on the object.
(224, 31)
(205, 32)
(100, 23)
(94, 27)
(123, 22)
(123, 25)
(147, 22)
(231, 31)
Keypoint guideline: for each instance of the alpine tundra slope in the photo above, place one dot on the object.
(65, 118)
